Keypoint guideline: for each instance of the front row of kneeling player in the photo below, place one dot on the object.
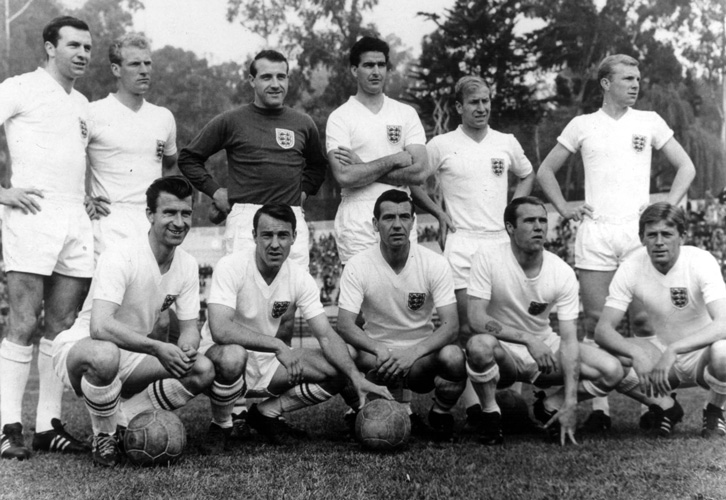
(113, 358)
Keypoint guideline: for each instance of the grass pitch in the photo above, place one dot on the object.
(622, 465)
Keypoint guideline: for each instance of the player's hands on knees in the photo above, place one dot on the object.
(397, 365)
(97, 207)
(174, 359)
(382, 355)
(567, 417)
(22, 199)
(579, 213)
(643, 366)
(659, 375)
(290, 359)
(346, 156)
(542, 355)
(190, 351)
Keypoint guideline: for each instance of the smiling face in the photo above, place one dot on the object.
(71, 54)
(394, 224)
(270, 83)
(371, 72)
(475, 108)
(623, 85)
(171, 221)
(134, 72)
(273, 240)
(528, 236)
(663, 244)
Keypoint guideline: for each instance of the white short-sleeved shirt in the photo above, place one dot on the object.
(47, 133)
(372, 136)
(237, 283)
(519, 302)
(675, 302)
(473, 176)
(126, 148)
(397, 307)
(617, 158)
(128, 275)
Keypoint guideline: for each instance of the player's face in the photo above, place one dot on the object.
(134, 72)
(371, 72)
(531, 231)
(623, 85)
(172, 219)
(394, 223)
(475, 109)
(270, 83)
(663, 244)
(72, 54)
(273, 238)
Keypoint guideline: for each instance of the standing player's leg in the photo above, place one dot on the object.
(712, 375)
(25, 296)
(593, 292)
(62, 298)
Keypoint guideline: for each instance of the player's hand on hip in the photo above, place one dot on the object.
(659, 375)
(174, 359)
(543, 356)
(23, 199)
(346, 156)
(290, 359)
(221, 200)
(567, 417)
(97, 207)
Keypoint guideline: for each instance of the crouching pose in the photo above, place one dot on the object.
(512, 290)
(397, 285)
(107, 353)
(251, 290)
(685, 297)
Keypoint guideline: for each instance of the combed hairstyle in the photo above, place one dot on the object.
(510, 213)
(672, 215)
(279, 211)
(132, 39)
(176, 185)
(392, 195)
(368, 44)
(467, 84)
(270, 55)
(607, 65)
(51, 31)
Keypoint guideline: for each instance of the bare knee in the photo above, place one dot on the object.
(97, 360)
(451, 358)
(611, 371)
(58, 321)
(23, 323)
(201, 375)
(229, 362)
(717, 363)
(480, 351)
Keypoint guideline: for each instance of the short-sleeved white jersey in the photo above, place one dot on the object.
(519, 302)
(372, 136)
(473, 176)
(47, 133)
(128, 275)
(675, 302)
(126, 147)
(237, 283)
(617, 158)
(397, 307)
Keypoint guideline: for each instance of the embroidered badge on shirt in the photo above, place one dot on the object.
(394, 133)
(416, 300)
(285, 138)
(168, 301)
(497, 166)
(160, 149)
(639, 143)
(84, 128)
(679, 297)
(536, 308)
(279, 307)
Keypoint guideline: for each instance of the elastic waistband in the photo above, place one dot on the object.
(489, 235)
(608, 219)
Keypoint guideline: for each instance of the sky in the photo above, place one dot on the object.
(201, 25)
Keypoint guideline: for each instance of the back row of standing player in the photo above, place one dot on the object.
(274, 155)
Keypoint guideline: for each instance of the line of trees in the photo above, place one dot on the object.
(542, 76)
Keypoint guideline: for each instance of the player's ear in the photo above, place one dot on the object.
(251, 79)
(509, 228)
(459, 107)
(49, 49)
(294, 236)
(375, 224)
(149, 214)
(116, 70)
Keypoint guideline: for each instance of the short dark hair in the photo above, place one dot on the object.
(368, 44)
(279, 211)
(672, 215)
(466, 84)
(51, 31)
(138, 40)
(510, 213)
(176, 185)
(270, 55)
(392, 195)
